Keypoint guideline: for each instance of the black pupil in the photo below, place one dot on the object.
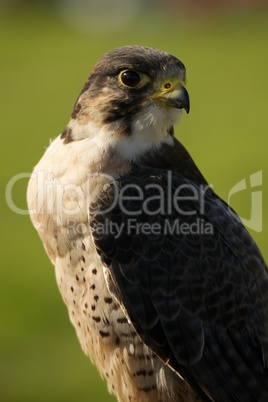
(130, 78)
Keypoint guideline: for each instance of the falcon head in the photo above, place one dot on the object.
(131, 101)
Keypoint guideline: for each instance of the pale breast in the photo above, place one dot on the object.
(59, 195)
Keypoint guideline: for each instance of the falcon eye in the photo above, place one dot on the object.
(130, 78)
(167, 85)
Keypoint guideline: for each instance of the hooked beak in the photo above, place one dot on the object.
(177, 97)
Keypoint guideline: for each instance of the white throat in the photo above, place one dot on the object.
(148, 131)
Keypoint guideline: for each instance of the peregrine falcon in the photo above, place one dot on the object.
(166, 289)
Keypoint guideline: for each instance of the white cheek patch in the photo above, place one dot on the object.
(106, 90)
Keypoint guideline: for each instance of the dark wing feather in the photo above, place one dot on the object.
(190, 277)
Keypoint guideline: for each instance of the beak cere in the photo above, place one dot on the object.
(179, 98)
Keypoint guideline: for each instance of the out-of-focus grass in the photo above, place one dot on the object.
(44, 64)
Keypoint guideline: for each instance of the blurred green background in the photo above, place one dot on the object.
(47, 51)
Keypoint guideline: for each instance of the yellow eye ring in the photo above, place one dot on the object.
(130, 78)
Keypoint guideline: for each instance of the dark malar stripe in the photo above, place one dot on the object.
(66, 135)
